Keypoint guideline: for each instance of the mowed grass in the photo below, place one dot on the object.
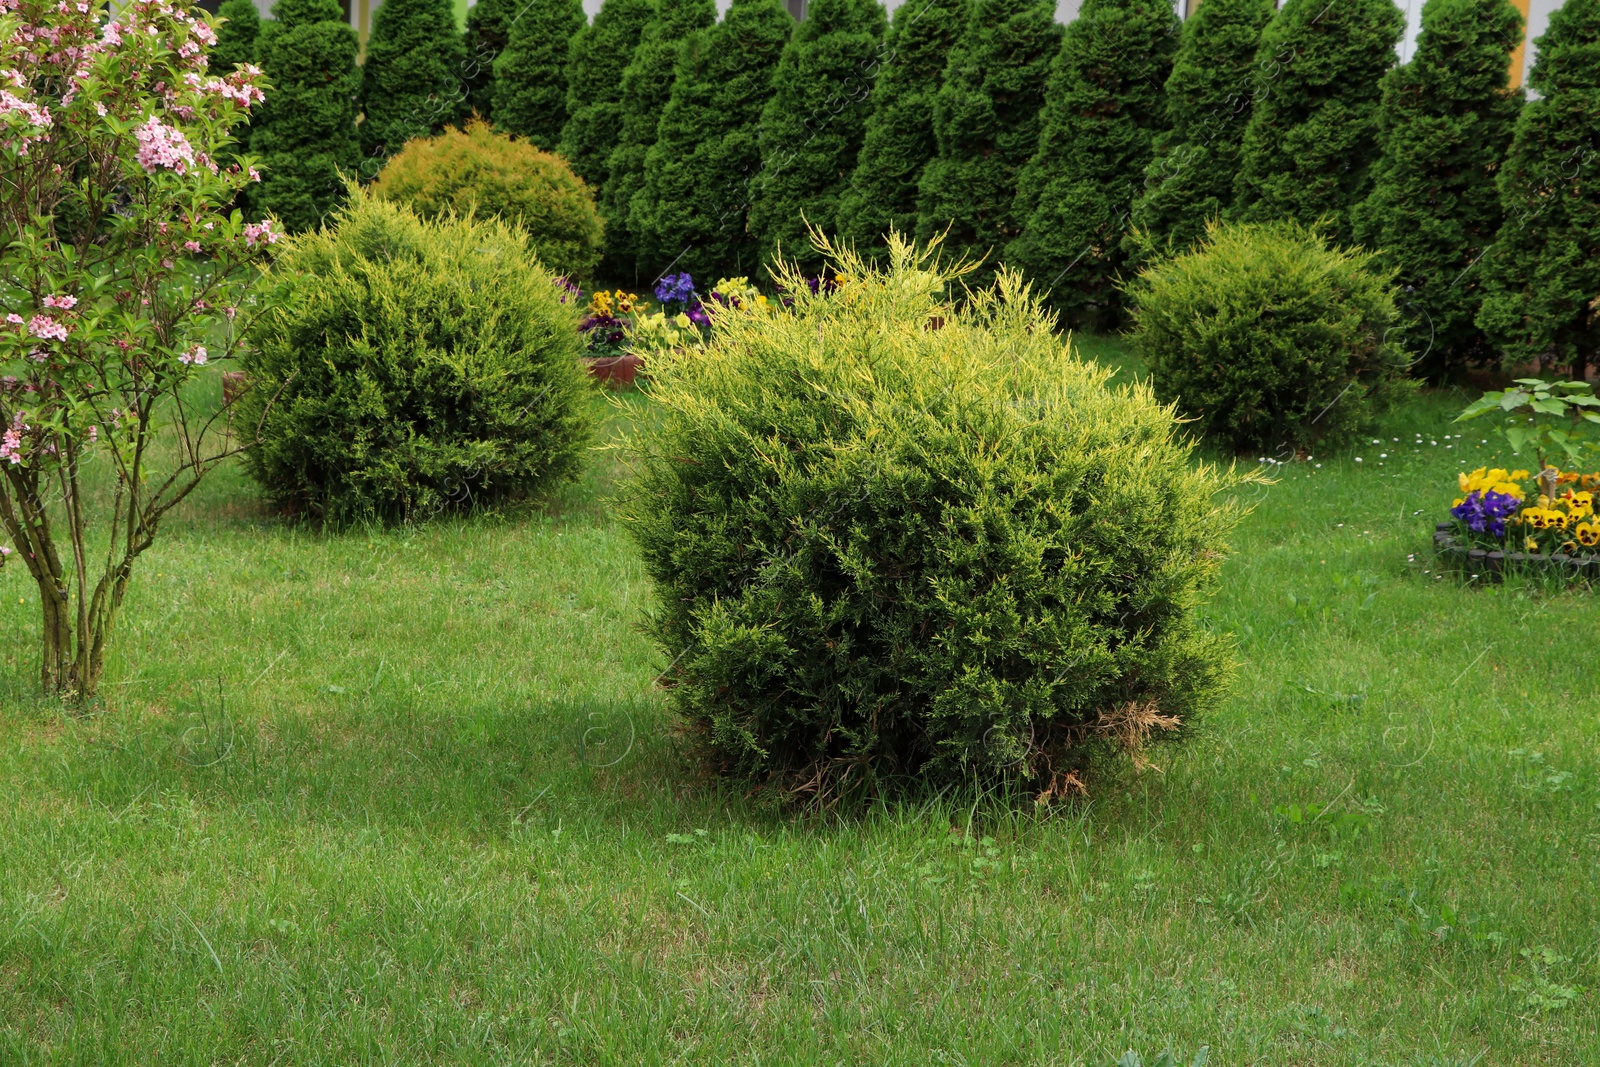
(409, 797)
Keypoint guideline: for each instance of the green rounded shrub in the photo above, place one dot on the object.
(1269, 339)
(489, 174)
(896, 539)
(407, 367)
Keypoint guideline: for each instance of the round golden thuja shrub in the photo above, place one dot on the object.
(406, 368)
(898, 538)
(1269, 339)
(477, 170)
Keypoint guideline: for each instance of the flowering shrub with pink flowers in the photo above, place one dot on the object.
(123, 272)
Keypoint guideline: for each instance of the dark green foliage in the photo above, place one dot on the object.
(304, 138)
(1445, 127)
(1313, 133)
(1103, 108)
(488, 30)
(646, 87)
(408, 368)
(1190, 178)
(413, 78)
(490, 174)
(236, 38)
(885, 554)
(899, 141)
(1543, 274)
(1270, 340)
(598, 55)
(812, 127)
(692, 211)
(986, 125)
(530, 87)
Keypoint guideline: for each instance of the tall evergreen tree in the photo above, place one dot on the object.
(304, 137)
(236, 38)
(488, 30)
(899, 141)
(1102, 110)
(412, 79)
(1190, 177)
(986, 125)
(646, 85)
(1444, 129)
(691, 214)
(1313, 131)
(812, 128)
(595, 61)
(1542, 277)
(530, 89)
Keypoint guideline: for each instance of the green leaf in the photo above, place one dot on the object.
(1549, 407)
(1516, 437)
(1513, 398)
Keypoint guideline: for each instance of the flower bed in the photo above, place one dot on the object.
(1510, 521)
(621, 332)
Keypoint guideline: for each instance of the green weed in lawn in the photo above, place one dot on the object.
(359, 799)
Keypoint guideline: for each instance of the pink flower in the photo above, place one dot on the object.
(11, 442)
(260, 231)
(14, 319)
(47, 329)
(37, 116)
(196, 356)
(255, 175)
(65, 303)
(163, 146)
(191, 246)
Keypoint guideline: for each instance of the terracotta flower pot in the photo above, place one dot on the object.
(615, 372)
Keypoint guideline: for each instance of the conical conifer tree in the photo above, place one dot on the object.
(1542, 276)
(304, 137)
(1444, 129)
(488, 30)
(692, 212)
(646, 86)
(1313, 131)
(899, 142)
(1103, 109)
(595, 61)
(1190, 178)
(812, 128)
(236, 38)
(412, 79)
(530, 90)
(986, 126)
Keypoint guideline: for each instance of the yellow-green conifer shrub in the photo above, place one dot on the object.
(1269, 339)
(900, 538)
(407, 368)
(487, 173)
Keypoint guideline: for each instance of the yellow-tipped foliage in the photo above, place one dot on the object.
(896, 536)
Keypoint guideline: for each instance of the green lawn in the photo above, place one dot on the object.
(409, 797)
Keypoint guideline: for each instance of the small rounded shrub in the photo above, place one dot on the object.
(1269, 339)
(900, 540)
(487, 173)
(405, 367)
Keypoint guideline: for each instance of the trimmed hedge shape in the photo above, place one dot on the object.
(407, 368)
(896, 539)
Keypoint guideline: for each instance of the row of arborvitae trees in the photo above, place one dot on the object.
(1082, 154)
(1079, 155)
